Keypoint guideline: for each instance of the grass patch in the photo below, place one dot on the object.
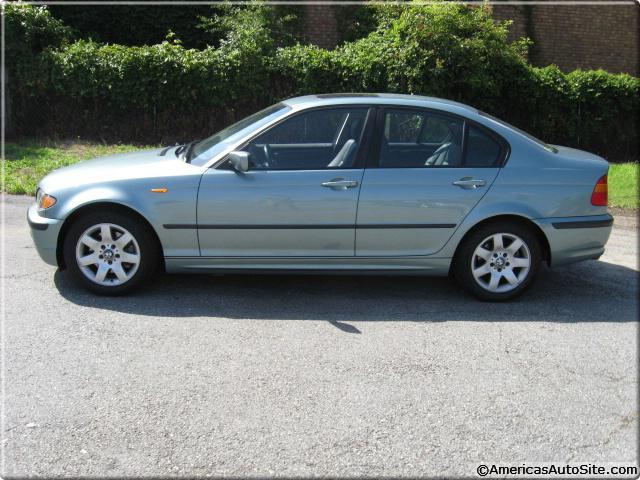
(30, 160)
(623, 184)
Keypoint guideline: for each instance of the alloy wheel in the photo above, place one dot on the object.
(108, 254)
(501, 262)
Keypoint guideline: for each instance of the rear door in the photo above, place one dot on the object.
(429, 170)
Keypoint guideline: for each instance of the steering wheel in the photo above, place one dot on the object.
(266, 150)
(260, 160)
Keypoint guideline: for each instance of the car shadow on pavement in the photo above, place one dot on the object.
(593, 291)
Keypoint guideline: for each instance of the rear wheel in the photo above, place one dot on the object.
(498, 261)
(110, 253)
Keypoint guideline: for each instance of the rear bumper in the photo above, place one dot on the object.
(44, 232)
(573, 239)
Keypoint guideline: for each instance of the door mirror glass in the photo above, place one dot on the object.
(239, 161)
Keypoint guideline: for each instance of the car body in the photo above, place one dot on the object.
(409, 179)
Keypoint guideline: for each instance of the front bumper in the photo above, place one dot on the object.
(573, 239)
(44, 232)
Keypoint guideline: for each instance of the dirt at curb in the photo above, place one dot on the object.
(626, 218)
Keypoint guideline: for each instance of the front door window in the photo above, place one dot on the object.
(316, 140)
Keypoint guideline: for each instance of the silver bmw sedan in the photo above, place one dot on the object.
(333, 183)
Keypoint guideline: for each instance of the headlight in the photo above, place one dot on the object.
(44, 200)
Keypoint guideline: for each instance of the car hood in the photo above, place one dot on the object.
(131, 165)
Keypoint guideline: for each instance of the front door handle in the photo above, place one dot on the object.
(469, 183)
(340, 184)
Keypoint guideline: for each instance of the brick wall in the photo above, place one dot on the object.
(570, 36)
(321, 25)
(582, 36)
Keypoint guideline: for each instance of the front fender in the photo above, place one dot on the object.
(177, 205)
(70, 204)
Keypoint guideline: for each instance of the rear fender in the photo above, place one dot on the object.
(482, 212)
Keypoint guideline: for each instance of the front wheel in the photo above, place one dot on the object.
(498, 261)
(109, 253)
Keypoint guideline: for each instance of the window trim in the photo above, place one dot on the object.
(373, 160)
(360, 160)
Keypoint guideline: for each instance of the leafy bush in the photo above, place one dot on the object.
(166, 92)
(30, 29)
(278, 25)
(606, 111)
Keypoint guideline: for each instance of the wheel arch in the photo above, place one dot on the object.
(522, 220)
(109, 206)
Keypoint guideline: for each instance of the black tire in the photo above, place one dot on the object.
(463, 270)
(149, 252)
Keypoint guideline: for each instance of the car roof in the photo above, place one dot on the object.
(326, 99)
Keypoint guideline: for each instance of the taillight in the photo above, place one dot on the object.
(599, 195)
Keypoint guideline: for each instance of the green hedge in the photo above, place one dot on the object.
(165, 92)
(29, 30)
(146, 94)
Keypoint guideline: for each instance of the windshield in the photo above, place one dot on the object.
(210, 147)
(522, 132)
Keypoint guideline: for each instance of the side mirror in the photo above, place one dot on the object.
(239, 161)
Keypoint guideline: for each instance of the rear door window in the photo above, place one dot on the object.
(420, 139)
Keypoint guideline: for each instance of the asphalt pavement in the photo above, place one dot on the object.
(315, 376)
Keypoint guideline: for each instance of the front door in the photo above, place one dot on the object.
(299, 197)
(426, 179)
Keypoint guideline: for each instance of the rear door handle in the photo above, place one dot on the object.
(469, 182)
(340, 184)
